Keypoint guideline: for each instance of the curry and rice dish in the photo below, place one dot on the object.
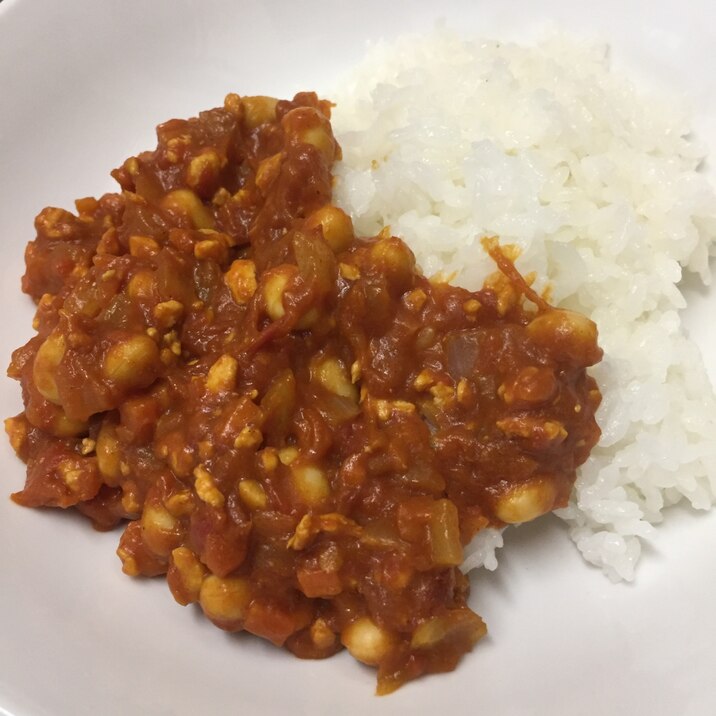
(296, 427)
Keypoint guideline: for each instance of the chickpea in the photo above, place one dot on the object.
(526, 502)
(397, 260)
(258, 110)
(335, 225)
(225, 600)
(47, 359)
(132, 362)
(62, 426)
(158, 529)
(305, 125)
(366, 641)
(566, 333)
(108, 455)
(275, 282)
(232, 103)
(187, 203)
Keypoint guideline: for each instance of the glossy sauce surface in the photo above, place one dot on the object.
(299, 429)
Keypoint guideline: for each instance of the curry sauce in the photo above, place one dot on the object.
(293, 424)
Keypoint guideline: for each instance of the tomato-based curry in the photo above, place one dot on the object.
(298, 429)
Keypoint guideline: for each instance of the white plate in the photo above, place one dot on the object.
(82, 85)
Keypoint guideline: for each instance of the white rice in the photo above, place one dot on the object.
(447, 140)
